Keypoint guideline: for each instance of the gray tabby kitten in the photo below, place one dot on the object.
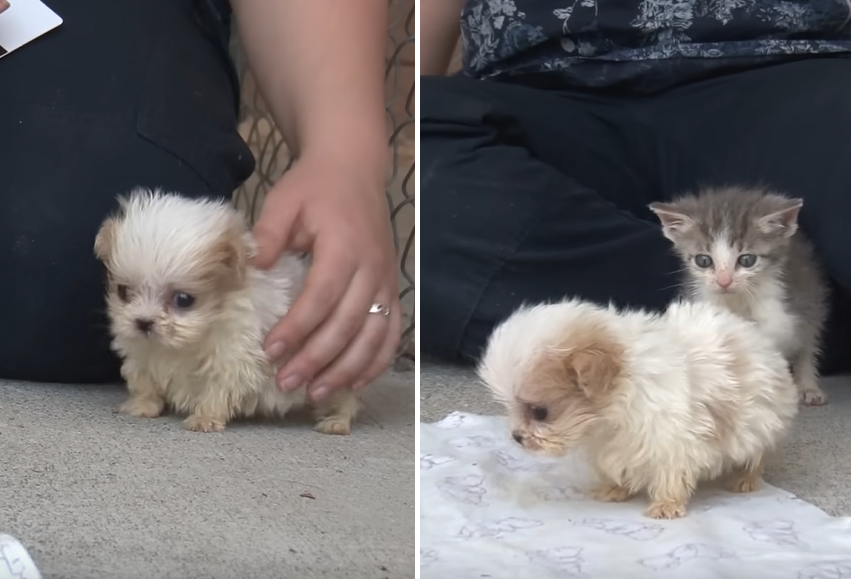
(741, 248)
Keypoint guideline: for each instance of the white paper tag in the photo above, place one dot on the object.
(24, 21)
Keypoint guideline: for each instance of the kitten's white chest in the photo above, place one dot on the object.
(777, 323)
(768, 309)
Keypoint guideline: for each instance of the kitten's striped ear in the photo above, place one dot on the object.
(784, 220)
(674, 222)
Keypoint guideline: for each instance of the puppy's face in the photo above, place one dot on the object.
(560, 390)
(174, 312)
(565, 394)
(171, 263)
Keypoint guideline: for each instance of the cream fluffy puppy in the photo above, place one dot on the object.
(660, 401)
(188, 314)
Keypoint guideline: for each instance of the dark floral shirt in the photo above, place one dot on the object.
(646, 45)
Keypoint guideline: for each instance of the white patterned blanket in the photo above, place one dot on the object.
(15, 561)
(489, 510)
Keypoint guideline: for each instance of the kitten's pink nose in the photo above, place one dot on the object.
(724, 279)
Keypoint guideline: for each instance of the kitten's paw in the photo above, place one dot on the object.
(142, 407)
(334, 425)
(666, 510)
(814, 397)
(611, 493)
(201, 423)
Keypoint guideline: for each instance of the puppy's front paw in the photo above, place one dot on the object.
(744, 483)
(201, 423)
(335, 415)
(814, 396)
(666, 510)
(334, 425)
(142, 407)
(611, 493)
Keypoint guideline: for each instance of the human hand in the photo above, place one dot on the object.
(4, 4)
(336, 210)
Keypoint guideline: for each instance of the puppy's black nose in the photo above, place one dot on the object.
(517, 437)
(144, 325)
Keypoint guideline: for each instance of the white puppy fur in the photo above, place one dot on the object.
(661, 401)
(188, 314)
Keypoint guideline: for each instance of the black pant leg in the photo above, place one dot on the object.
(123, 94)
(505, 220)
(789, 127)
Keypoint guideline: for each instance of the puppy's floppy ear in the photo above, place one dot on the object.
(250, 245)
(674, 222)
(589, 358)
(595, 368)
(232, 252)
(105, 238)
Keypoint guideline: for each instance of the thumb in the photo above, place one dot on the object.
(273, 230)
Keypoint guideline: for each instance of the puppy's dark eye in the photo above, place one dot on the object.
(702, 261)
(747, 260)
(539, 413)
(182, 300)
(123, 293)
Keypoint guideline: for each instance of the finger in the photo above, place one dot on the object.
(333, 335)
(388, 350)
(350, 366)
(3, 5)
(327, 281)
(273, 229)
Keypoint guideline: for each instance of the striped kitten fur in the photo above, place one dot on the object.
(742, 248)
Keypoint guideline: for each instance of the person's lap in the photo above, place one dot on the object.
(88, 112)
(530, 196)
(480, 259)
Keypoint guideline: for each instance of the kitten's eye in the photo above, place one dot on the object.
(747, 260)
(539, 413)
(182, 300)
(123, 293)
(702, 261)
